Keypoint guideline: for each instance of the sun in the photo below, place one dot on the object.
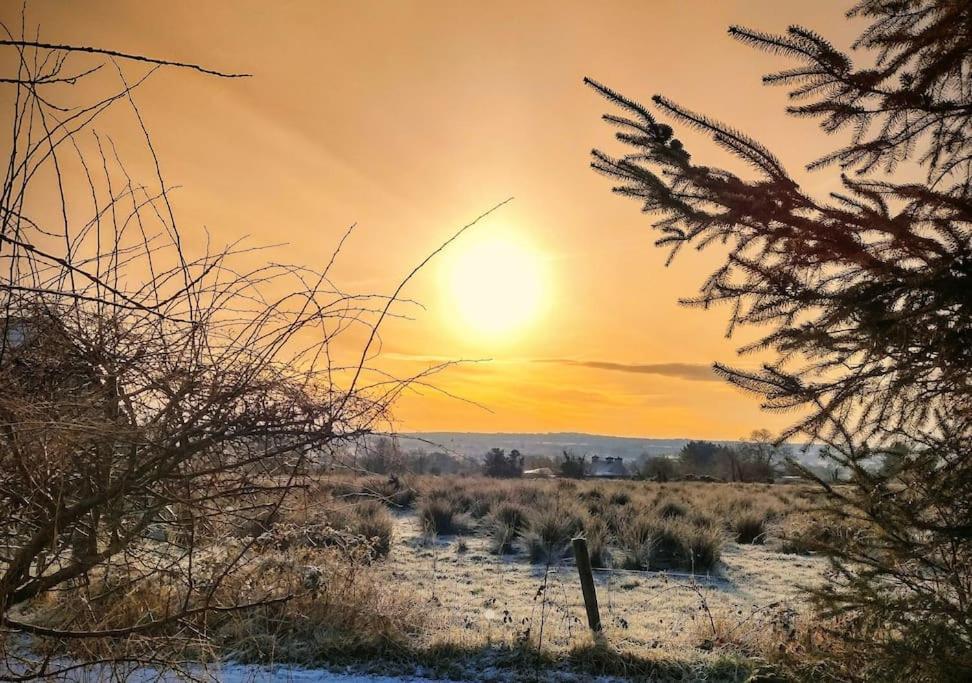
(495, 286)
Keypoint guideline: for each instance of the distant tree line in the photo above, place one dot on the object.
(757, 458)
(754, 459)
(504, 465)
(573, 466)
(385, 455)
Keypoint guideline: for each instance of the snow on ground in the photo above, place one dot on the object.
(238, 673)
(481, 599)
(224, 673)
(250, 674)
(247, 673)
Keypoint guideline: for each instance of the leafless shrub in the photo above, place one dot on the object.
(151, 400)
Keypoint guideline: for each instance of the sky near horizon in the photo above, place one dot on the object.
(409, 119)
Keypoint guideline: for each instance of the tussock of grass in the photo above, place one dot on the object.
(397, 492)
(601, 658)
(678, 545)
(592, 494)
(505, 525)
(805, 533)
(365, 525)
(512, 515)
(372, 521)
(620, 498)
(351, 616)
(750, 527)
(650, 542)
(636, 536)
(703, 521)
(442, 516)
(322, 606)
(501, 538)
(704, 550)
(549, 532)
(598, 540)
(480, 508)
(672, 510)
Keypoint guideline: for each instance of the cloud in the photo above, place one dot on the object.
(696, 372)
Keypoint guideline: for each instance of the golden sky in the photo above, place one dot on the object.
(412, 118)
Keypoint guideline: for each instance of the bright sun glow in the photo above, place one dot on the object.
(496, 286)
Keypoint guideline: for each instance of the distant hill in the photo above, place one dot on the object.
(474, 445)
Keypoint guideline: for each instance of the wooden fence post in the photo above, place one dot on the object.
(587, 583)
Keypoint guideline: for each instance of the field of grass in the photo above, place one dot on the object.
(695, 576)
(448, 575)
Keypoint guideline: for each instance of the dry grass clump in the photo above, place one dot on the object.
(672, 510)
(669, 545)
(591, 494)
(625, 512)
(401, 497)
(443, 516)
(372, 521)
(600, 657)
(768, 633)
(636, 536)
(501, 537)
(548, 534)
(479, 508)
(317, 606)
(678, 545)
(506, 524)
(620, 498)
(110, 601)
(703, 520)
(598, 541)
(397, 492)
(615, 516)
(367, 525)
(651, 542)
(806, 532)
(750, 527)
(340, 612)
(702, 549)
(349, 612)
(512, 515)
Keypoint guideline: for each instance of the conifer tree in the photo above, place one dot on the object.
(867, 299)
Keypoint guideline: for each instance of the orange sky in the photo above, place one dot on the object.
(411, 118)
